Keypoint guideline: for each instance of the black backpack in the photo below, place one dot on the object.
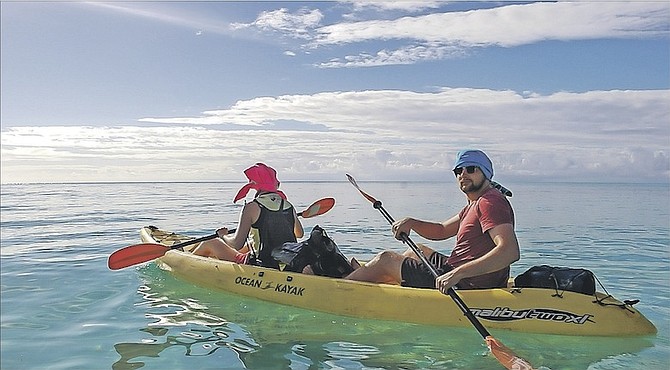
(557, 278)
(319, 251)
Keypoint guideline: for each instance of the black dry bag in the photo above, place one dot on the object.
(557, 278)
(319, 251)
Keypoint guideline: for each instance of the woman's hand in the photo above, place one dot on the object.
(221, 232)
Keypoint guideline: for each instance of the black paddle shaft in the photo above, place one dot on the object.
(194, 241)
(457, 299)
(198, 240)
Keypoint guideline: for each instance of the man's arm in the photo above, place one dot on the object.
(427, 229)
(505, 252)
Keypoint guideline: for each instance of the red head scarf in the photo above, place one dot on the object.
(261, 178)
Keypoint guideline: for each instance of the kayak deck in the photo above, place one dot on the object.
(529, 310)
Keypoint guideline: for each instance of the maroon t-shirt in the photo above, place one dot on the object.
(473, 241)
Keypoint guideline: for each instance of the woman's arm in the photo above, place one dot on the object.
(297, 226)
(248, 216)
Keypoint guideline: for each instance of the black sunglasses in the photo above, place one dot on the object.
(469, 169)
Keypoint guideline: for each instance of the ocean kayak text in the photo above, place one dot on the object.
(281, 288)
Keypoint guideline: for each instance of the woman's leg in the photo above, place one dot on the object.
(216, 248)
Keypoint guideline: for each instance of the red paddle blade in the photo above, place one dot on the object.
(319, 207)
(135, 254)
(506, 356)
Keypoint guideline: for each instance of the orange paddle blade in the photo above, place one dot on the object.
(506, 356)
(135, 254)
(319, 207)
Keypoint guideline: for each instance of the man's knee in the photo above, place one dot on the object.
(388, 261)
(427, 251)
(387, 256)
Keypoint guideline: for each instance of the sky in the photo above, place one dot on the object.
(573, 91)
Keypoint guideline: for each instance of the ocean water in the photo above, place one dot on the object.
(61, 307)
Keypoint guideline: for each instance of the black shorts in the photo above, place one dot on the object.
(417, 275)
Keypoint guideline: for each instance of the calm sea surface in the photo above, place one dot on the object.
(63, 309)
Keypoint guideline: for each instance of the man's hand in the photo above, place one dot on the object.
(448, 280)
(402, 226)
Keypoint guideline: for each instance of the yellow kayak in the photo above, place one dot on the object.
(531, 310)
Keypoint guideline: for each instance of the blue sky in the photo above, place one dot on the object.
(198, 91)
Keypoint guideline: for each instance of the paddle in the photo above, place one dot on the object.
(139, 253)
(504, 355)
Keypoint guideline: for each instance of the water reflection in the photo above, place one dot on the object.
(184, 325)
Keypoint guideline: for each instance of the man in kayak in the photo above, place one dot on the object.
(270, 214)
(486, 243)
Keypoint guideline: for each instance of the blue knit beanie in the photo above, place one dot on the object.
(477, 158)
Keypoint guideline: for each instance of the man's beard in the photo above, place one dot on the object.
(473, 187)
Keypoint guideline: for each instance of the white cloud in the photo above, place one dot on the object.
(442, 35)
(512, 25)
(298, 25)
(386, 134)
(405, 55)
(407, 6)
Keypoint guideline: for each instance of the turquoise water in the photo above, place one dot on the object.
(63, 309)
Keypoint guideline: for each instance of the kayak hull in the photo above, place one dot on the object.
(530, 310)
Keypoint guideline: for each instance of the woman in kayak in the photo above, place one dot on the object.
(272, 217)
(486, 243)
